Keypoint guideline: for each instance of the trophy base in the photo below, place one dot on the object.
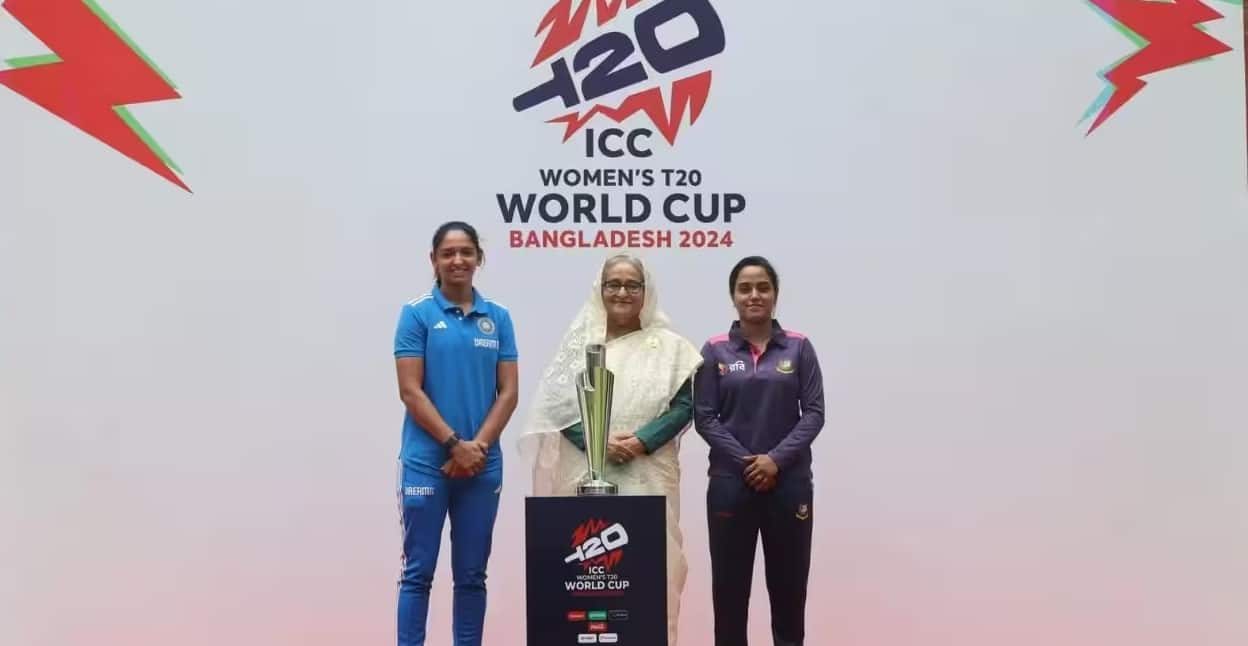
(597, 488)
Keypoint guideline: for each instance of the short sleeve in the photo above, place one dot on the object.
(507, 350)
(409, 337)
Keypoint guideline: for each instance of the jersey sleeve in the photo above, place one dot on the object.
(507, 350)
(663, 428)
(409, 336)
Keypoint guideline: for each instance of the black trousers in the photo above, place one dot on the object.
(736, 516)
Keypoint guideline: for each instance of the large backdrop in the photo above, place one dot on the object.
(1016, 232)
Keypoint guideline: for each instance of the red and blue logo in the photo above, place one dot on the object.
(597, 546)
(628, 65)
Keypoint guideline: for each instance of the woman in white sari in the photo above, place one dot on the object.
(652, 403)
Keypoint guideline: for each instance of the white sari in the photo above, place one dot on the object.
(650, 366)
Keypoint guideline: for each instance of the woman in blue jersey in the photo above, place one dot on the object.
(758, 402)
(455, 353)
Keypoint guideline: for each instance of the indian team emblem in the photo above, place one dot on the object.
(485, 325)
(803, 511)
(785, 367)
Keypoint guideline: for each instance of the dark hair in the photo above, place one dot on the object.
(753, 261)
(455, 225)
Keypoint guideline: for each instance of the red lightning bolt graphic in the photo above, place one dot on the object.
(583, 532)
(688, 93)
(97, 71)
(566, 27)
(1173, 40)
(587, 529)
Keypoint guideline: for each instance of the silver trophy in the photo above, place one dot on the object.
(593, 394)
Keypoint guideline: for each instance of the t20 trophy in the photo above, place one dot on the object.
(593, 390)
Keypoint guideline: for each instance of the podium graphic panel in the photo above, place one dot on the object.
(596, 570)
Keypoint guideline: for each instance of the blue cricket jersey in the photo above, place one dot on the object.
(461, 352)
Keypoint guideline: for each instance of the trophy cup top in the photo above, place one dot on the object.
(595, 356)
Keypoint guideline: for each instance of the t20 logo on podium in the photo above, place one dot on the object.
(637, 55)
(597, 546)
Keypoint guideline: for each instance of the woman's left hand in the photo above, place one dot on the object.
(623, 449)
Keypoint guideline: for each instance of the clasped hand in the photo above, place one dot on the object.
(467, 459)
(761, 472)
(624, 448)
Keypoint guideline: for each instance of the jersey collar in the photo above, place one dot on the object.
(778, 335)
(478, 302)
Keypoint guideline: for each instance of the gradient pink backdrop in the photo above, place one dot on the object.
(1033, 342)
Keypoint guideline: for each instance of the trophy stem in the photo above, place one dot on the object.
(594, 394)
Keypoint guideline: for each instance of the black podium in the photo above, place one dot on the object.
(595, 569)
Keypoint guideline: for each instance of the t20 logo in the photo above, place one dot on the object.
(596, 545)
(632, 56)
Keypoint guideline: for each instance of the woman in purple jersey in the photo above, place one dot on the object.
(758, 402)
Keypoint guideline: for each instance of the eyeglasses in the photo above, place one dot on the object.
(614, 287)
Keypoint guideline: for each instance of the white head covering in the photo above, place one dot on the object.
(555, 405)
